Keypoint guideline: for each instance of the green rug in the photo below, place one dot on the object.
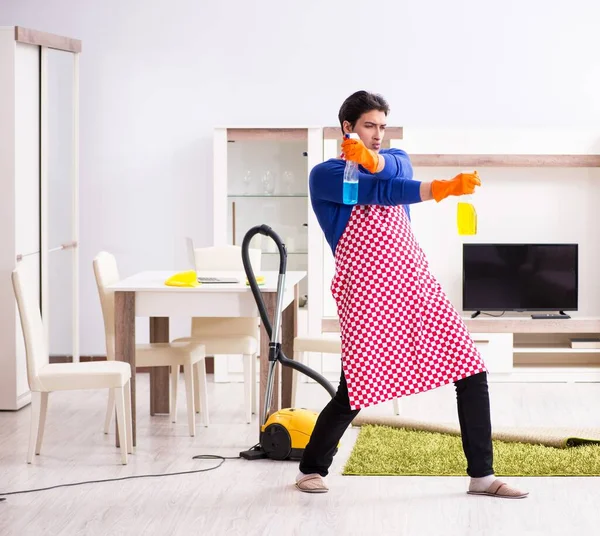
(383, 450)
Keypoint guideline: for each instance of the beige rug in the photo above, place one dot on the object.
(551, 437)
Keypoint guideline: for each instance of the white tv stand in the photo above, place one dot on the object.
(525, 349)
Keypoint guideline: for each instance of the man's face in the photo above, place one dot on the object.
(370, 128)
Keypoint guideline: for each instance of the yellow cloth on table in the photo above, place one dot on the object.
(260, 280)
(183, 279)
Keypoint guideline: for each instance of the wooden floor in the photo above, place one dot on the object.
(243, 497)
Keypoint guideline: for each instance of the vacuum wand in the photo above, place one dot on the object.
(274, 331)
(267, 231)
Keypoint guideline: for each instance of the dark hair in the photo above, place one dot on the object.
(359, 103)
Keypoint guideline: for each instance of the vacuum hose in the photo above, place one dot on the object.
(275, 351)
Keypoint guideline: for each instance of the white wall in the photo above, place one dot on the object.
(157, 77)
(519, 206)
(516, 204)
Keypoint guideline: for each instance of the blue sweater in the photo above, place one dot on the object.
(392, 186)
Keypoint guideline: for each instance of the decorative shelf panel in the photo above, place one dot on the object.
(267, 134)
(505, 160)
(510, 325)
(36, 37)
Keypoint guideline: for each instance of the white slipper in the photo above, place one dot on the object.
(312, 484)
(501, 490)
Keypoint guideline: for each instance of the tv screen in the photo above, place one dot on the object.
(520, 277)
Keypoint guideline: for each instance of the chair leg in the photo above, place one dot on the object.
(188, 373)
(299, 357)
(36, 406)
(248, 386)
(174, 380)
(43, 411)
(127, 389)
(197, 385)
(396, 406)
(201, 387)
(121, 422)
(254, 384)
(110, 410)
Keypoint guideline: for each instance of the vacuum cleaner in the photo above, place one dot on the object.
(285, 433)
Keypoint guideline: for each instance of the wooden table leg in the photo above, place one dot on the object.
(125, 346)
(159, 376)
(270, 299)
(289, 330)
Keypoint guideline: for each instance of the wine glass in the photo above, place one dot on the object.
(268, 181)
(247, 179)
(288, 179)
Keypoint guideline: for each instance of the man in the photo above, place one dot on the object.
(400, 335)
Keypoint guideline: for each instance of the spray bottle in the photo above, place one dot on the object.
(350, 185)
(466, 215)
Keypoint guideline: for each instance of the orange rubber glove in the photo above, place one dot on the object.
(356, 151)
(462, 184)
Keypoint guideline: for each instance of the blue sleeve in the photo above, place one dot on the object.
(392, 186)
(397, 165)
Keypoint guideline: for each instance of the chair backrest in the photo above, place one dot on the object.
(226, 258)
(189, 246)
(106, 273)
(34, 333)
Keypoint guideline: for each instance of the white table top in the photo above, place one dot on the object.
(154, 281)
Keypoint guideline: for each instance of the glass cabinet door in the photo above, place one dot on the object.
(59, 150)
(267, 183)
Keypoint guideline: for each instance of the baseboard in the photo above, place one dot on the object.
(210, 361)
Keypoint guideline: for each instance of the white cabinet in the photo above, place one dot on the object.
(496, 350)
(520, 349)
(261, 177)
(38, 180)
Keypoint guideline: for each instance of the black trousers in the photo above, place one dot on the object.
(473, 403)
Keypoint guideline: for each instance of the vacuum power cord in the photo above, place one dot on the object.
(131, 477)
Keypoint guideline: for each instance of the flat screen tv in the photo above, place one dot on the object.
(520, 277)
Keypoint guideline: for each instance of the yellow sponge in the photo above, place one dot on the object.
(183, 279)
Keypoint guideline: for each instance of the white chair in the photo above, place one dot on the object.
(43, 378)
(326, 344)
(229, 336)
(190, 354)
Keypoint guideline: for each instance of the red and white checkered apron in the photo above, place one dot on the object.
(400, 333)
